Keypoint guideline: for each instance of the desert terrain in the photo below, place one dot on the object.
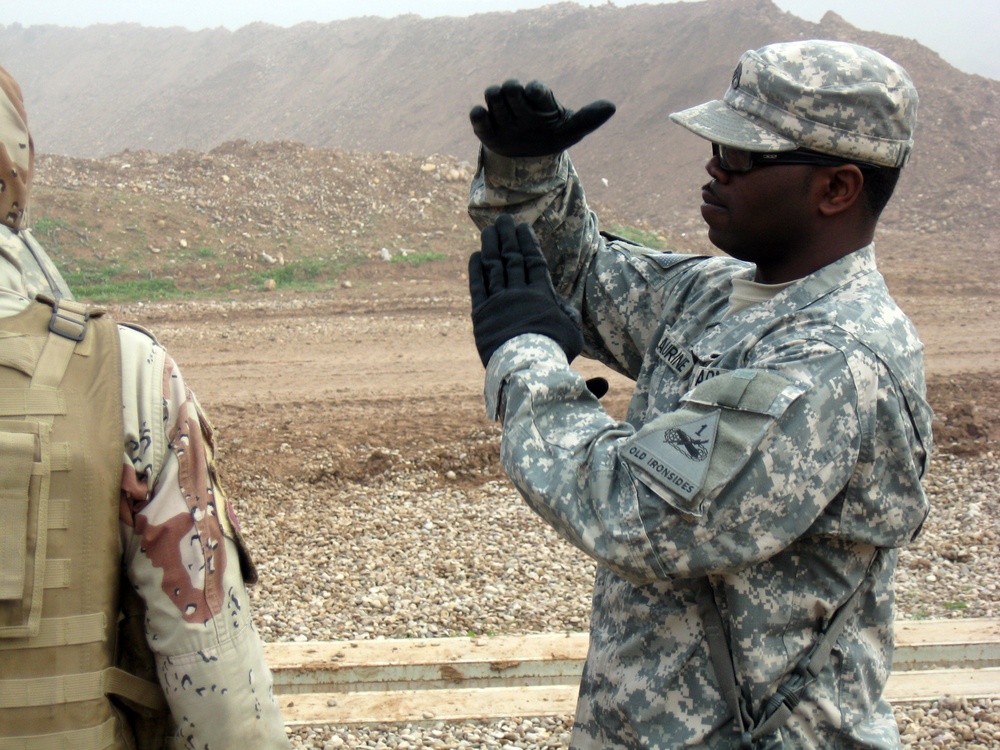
(305, 264)
(354, 446)
(316, 301)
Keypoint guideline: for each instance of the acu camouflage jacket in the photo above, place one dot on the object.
(768, 452)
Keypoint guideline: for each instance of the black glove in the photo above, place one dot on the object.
(528, 121)
(512, 292)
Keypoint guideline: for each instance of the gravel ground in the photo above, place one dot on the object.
(410, 554)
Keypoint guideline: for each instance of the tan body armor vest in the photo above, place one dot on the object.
(60, 556)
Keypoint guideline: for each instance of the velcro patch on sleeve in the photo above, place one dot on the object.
(688, 457)
(675, 355)
(677, 457)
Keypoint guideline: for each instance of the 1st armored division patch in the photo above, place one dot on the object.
(676, 458)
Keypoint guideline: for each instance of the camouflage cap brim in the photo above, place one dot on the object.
(720, 123)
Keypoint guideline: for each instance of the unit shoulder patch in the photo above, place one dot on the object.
(676, 459)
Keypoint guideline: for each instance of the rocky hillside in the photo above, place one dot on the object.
(143, 225)
(405, 85)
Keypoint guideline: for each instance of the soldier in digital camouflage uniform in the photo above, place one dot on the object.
(747, 515)
(168, 526)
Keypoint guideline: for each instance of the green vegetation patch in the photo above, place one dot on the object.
(643, 237)
(123, 290)
(46, 226)
(107, 280)
(52, 231)
(305, 274)
(417, 259)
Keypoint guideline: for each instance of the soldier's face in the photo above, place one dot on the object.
(764, 216)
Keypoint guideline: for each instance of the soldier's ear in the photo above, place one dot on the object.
(838, 188)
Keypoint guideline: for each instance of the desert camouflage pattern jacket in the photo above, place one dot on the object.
(767, 453)
(181, 549)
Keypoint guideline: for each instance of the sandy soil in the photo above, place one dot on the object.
(385, 371)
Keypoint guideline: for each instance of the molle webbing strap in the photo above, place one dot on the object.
(95, 738)
(58, 512)
(146, 694)
(62, 631)
(69, 324)
(39, 401)
(51, 691)
(59, 457)
(73, 688)
(57, 573)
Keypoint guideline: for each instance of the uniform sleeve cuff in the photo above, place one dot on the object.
(519, 353)
(510, 173)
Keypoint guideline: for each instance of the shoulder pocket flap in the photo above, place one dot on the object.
(688, 456)
(757, 391)
(21, 352)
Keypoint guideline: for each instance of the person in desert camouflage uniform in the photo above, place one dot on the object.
(177, 539)
(747, 515)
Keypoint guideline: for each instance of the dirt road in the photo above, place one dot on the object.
(390, 363)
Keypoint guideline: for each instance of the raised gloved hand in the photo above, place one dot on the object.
(512, 292)
(528, 121)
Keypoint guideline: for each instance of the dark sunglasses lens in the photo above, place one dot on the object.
(732, 159)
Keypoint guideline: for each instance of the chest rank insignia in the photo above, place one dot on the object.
(677, 458)
(677, 357)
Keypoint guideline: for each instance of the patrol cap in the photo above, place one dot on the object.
(17, 153)
(832, 97)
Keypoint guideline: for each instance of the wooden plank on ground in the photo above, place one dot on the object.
(550, 659)
(933, 684)
(968, 643)
(419, 706)
(453, 679)
(450, 704)
(434, 663)
(456, 704)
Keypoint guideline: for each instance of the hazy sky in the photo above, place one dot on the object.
(963, 32)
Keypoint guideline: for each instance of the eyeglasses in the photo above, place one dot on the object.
(740, 160)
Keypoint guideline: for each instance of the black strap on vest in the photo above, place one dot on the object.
(780, 706)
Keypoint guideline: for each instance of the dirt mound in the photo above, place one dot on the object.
(242, 214)
(966, 413)
(406, 84)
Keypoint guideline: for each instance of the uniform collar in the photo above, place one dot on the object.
(822, 282)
